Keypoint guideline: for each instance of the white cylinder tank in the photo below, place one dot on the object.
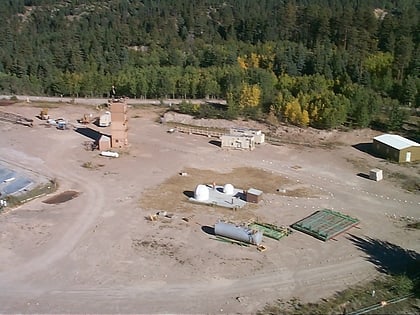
(110, 154)
(201, 193)
(228, 189)
(239, 233)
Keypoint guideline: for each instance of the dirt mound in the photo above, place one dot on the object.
(63, 197)
(283, 132)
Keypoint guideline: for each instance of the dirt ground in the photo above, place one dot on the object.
(98, 252)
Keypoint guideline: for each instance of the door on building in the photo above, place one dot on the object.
(408, 156)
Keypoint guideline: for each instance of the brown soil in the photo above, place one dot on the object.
(98, 253)
(62, 197)
(171, 200)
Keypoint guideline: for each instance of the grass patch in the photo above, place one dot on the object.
(331, 145)
(159, 108)
(414, 225)
(412, 185)
(38, 191)
(48, 105)
(408, 182)
(172, 195)
(372, 295)
(91, 166)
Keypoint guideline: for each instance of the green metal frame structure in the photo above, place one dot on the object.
(271, 230)
(325, 224)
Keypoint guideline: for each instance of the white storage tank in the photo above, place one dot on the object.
(110, 154)
(105, 119)
(239, 233)
(201, 193)
(228, 189)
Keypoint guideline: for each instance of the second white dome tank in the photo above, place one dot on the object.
(228, 189)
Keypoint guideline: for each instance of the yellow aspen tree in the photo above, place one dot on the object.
(267, 62)
(244, 97)
(254, 60)
(250, 96)
(293, 111)
(196, 108)
(255, 95)
(304, 118)
(313, 114)
(304, 102)
(286, 82)
(288, 112)
(73, 83)
(242, 63)
(378, 63)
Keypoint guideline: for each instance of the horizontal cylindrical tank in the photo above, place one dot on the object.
(239, 233)
(110, 154)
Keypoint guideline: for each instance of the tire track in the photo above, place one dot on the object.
(94, 201)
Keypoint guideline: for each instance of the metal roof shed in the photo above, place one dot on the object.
(397, 148)
(253, 195)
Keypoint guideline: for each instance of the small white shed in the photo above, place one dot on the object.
(375, 174)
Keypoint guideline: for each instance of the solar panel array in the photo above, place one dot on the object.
(12, 182)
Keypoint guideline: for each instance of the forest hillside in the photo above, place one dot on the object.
(319, 63)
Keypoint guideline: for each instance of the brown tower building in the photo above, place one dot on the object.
(119, 125)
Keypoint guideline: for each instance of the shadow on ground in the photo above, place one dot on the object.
(217, 143)
(363, 175)
(390, 258)
(387, 257)
(189, 193)
(208, 229)
(367, 147)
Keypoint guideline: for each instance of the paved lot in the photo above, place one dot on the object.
(97, 253)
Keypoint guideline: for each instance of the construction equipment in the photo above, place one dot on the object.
(86, 119)
(61, 124)
(43, 114)
(261, 248)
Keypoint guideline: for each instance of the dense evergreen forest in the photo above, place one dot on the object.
(322, 63)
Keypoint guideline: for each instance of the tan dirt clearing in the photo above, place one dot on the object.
(98, 253)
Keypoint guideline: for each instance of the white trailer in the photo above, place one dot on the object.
(105, 120)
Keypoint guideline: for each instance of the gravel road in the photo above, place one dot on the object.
(99, 101)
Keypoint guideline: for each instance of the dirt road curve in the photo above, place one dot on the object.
(98, 254)
(69, 238)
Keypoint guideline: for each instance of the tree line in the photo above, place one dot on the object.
(320, 63)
